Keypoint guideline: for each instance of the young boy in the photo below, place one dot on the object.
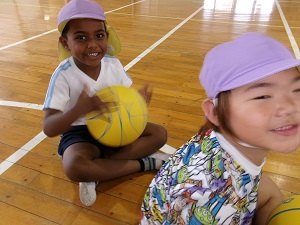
(84, 45)
(252, 106)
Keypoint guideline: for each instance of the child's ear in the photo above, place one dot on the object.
(64, 43)
(210, 111)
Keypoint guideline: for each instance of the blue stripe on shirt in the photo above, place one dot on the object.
(54, 77)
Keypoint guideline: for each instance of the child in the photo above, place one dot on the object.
(85, 39)
(253, 106)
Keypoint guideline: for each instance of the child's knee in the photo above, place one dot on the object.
(75, 172)
(161, 135)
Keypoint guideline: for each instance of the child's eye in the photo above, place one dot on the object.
(297, 90)
(99, 36)
(81, 37)
(262, 97)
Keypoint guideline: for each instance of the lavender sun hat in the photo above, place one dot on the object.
(248, 58)
(80, 9)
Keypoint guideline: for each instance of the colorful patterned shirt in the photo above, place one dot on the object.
(205, 182)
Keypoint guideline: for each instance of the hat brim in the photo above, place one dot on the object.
(62, 52)
(114, 44)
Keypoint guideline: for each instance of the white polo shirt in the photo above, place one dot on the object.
(67, 83)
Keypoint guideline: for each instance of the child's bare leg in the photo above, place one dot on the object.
(81, 163)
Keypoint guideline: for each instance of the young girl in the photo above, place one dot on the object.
(86, 68)
(253, 106)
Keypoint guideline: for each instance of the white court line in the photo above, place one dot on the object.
(6, 164)
(125, 6)
(139, 57)
(21, 104)
(27, 39)
(11, 160)
(50, 31)
(289, 32)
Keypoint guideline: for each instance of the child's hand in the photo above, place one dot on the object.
(86, 104)
(146, 92)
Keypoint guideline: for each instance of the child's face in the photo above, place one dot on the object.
(87, 42)
(266, 113)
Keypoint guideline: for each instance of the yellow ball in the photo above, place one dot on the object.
(125, 119)
(287, 213)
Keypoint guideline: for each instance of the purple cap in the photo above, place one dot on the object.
(248, 58)
(76, 9)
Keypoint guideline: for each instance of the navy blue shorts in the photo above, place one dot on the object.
(75, 135)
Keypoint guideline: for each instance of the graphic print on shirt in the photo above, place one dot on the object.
(201, 184)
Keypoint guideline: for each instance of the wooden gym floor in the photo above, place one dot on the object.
(164, 43)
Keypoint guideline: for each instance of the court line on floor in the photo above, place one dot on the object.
(143, 54)
(21, 104)
(288, 31)
(50, 31)
(15, 157)
(27, 39)
(6, 164)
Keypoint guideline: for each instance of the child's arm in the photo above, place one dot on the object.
(56, 122)
(146, 92)
(269, 197)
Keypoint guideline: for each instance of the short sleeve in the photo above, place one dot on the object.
(58, 92)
